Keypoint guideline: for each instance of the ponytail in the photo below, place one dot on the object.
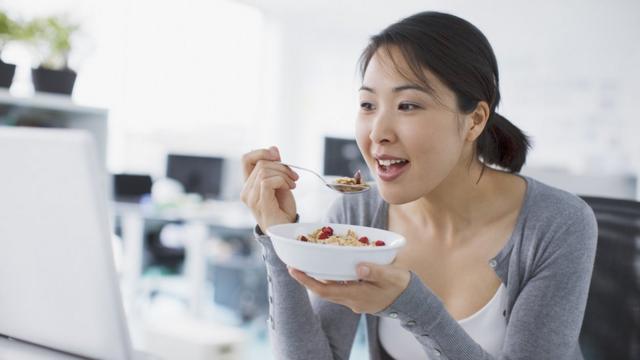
(503, 144)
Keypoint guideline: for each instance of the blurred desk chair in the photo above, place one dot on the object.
(611, 327)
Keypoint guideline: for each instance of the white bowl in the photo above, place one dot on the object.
(332, 262)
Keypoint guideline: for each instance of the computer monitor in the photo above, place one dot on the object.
(343, 158)
(198, 174)
(131, 187)
(59, 285)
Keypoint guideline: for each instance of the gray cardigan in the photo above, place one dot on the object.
(546, 267)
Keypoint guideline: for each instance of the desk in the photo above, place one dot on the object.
(197, 219)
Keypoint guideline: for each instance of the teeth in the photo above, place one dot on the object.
(390, 162)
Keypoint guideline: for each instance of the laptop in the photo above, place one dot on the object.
(57, 275)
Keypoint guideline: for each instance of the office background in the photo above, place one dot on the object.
(174, 83)
(215, 76)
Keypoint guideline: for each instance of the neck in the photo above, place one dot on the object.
(457, 205)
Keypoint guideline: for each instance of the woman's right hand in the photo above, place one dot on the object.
(267, 188)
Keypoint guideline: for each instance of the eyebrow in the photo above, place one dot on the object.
(400, 88)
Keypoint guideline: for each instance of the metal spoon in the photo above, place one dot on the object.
(341, 188)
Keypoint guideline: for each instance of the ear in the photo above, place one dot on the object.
(477, 121)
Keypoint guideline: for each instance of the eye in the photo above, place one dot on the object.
(408, 107)
(366, 106)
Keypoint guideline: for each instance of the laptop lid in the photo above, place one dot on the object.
(58, 281)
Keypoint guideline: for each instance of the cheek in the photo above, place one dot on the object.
(433, 149)
(362, 137)
(362, 127)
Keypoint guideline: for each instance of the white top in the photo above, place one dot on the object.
(487, 327)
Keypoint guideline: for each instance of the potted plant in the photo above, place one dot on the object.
(52, 37)
(8, 31)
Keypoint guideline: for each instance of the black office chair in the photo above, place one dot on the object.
(611, 327)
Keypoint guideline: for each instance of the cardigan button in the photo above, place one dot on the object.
(393, 315)
(411, 323)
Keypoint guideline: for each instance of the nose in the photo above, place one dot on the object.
(382, 130)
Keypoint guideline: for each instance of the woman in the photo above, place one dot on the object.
(496, 266)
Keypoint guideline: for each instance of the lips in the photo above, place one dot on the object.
(387, 157)
(390, 167)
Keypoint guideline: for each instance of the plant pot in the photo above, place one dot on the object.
(53, 81)
(6, 74)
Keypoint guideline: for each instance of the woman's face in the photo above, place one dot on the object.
(411, 139)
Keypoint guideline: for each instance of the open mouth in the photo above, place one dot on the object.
(389, 170)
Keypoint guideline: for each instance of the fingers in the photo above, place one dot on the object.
(265, 158)
(266, 166)
(263, 175)
(263, 165)
(250, 159)
(368, 272)
(383, 275)
(375, 273)
(264, 170)
(261, 182)
(267, 189)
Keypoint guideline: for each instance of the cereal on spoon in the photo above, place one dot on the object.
(354, 184)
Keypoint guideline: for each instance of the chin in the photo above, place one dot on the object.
(397, 195)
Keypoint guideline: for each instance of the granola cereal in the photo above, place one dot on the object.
(325, 235)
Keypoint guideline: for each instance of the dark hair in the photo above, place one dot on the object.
(462, 58)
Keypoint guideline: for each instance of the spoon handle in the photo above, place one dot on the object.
(305, 169)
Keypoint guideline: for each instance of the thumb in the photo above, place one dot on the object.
(370, 271)
(275, 153)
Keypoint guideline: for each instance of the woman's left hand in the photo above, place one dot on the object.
(379, 287)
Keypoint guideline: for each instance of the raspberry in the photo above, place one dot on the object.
(364, 240)
(379, 243)
(328, 230)
(323, 235)
(358, 177)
